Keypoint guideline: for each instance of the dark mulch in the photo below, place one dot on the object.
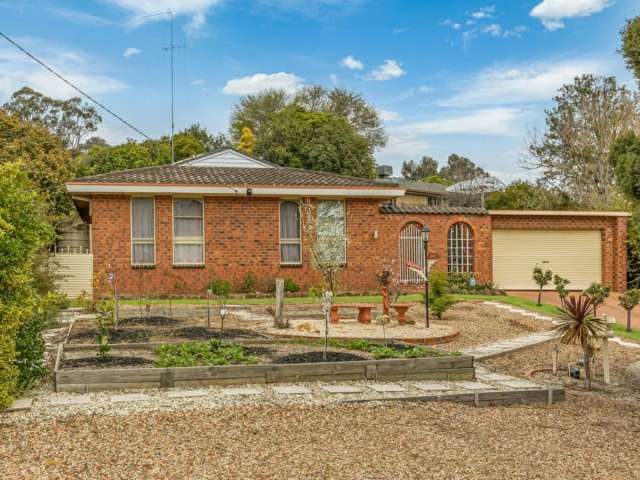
(106, 362)
(118, 335)
(204, 333)
(316, 357)
(155, 320)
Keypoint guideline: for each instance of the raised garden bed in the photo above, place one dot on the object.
(268, 362)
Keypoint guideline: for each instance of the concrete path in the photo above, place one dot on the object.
(505, 347)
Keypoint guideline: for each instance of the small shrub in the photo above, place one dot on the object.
(561, 287)
(219, 287)
(104, 323)
(542, 279)
(439, 301)
(209, 353)
(440, 305)
(249, 283)
(598, 294)
(290, 286)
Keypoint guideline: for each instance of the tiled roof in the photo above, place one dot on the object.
(186, 175)
(390, 208)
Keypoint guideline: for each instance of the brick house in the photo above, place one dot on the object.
(171, 229)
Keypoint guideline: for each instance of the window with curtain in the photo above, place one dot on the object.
(332, 232)
(188, 234)
(290, 248)
(460, 248)
(142, 231)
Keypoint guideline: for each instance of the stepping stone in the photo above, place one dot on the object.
(386, 387)
(516, 310)
(431, 387)
(129, 397)
(70, 401)
(341, 389)
(496, 377)
(187, 393)
(293, 390)
(545, 318)
(474, 385)
(237, 392)
(20, 405)
(505, 307)
(491, 303)
(519, 384)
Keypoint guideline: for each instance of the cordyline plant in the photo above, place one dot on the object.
(323, 248)
(579, 326)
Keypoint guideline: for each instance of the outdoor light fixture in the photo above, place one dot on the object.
(425, 240)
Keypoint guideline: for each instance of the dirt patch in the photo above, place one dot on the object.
(156, 320)
(118, 335)
(204, 333)
(317, 357)
(107, 362)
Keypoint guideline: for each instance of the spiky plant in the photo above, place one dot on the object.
(579, 326)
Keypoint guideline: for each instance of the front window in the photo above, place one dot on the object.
(290, 247)
(460, 248)
(188, 231)
(332, 232)
(142, 231)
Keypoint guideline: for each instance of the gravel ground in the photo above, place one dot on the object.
(586, 437)
(624, 362)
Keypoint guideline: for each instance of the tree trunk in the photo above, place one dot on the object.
(628, 320)
(540, 296)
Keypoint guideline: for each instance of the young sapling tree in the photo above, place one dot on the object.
(220, 290)
(561, 287)
(628, 300)
(598, 294)
(542, 279)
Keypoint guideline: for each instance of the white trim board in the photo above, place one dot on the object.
(235, 191)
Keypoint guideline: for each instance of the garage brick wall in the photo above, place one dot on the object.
(614, 238)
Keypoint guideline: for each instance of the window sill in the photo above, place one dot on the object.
(193, 265)
(143, 267)
(291, 265)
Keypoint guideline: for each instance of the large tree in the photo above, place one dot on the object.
(315, 141)
(573, 154)
(522, 195)
(71, 120)
(256, 112)
(427, 167)
(42, 157)
(460, 169)
(631, 45)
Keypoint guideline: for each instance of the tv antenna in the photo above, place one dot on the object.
(172, 46)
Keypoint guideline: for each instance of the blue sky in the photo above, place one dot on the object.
(469, 77)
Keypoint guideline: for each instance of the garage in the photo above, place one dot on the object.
(573, 254)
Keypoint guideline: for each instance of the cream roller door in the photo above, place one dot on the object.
(573, 254)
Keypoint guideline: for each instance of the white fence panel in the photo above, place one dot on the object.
(75, 272)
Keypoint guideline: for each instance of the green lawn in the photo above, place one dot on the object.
(620, 330)
(415, 297)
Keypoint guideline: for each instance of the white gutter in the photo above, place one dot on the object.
(558, 213)
(225, 191)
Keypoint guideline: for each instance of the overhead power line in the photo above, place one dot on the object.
(83, 93)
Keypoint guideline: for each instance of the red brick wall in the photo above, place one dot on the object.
(242, 235)
(614, 238)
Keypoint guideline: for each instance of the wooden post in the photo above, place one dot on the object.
(555, 360)
(280, 322)
(605, 361)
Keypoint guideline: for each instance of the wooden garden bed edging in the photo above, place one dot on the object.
(428, 368)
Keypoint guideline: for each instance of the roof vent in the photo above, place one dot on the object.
(384, 171)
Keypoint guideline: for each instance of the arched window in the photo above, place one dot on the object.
(411, 252)
(460, 248)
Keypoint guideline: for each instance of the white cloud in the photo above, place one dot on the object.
(484, 12)
(532, 82)
(388, 116)
(334, 78)
(351, 63)
(140, 9)
(131, 51)
(197, 83)
(399, 30)
(388, 70)
(84, 71)
(198, 21)
(312, 8)
(402, 146)
(552, 12)
(252, 84)
(494, 29)
(78, 17)
(490, 121)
